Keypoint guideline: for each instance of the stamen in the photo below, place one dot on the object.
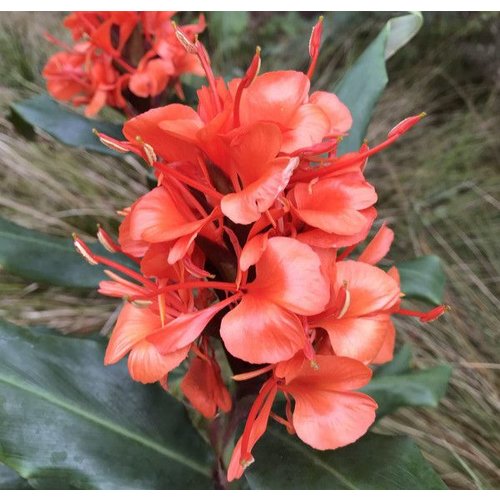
(106, 241)
(347, 301)
(94, 259)
(249, 375)
(84, 250)
(427, 316)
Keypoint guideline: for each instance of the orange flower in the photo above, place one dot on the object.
(328, 412)
(119, 56)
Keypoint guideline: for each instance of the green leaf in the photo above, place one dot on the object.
(36, 256)
(69, 422)
(66, 125)
(423, 278)
(399, 364)
(374, 462)
(417, 388)
(363, 84)
(11, 480)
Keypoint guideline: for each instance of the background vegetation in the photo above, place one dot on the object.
(439, 190)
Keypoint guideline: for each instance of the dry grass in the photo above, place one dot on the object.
(439, 189)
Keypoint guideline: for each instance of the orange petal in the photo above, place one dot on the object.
(282, 272)
(184, 329)
(329, 420)
(259, 331)
(357, 338)
(235, 469)
(157, 217)
(247, 205)
(378, 247)
(308, 127)
(147, 365)
(386, 352)
(338, 113)
(371, 289)
(133, 325)
(275, 97)
(203, 387)
(253, 251)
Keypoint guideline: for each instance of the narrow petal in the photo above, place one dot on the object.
(259, 331)
(386, 352)
(235, 469)
(204, 388)
(184, 329)
(378, 247)
(253, 251)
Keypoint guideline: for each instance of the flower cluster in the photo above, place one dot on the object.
(252, 192)
(125, 60)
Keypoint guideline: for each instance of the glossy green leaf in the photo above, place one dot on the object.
(363, 84)
(11, 480)
(36, 256)
(417, 388)
(283, 461)
(423, 278)
(64, 124)
(69, 422)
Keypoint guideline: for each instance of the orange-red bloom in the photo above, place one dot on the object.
(245, 242)
(119, 57)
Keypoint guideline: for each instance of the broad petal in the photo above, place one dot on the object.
(147, 365)
(328, 420)
(275, 97)
(259, 331)
(253, 148)
(331, 373)
(174, 144)
(247, 205)
(378, 247)
(133, 325)
(357, 338)
(371, 289)
(322, 239)
(283, 269)
(307, 127)
(158, 217)
(334, 205)
(338, 113)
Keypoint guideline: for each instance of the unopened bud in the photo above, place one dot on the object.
(405, 125)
